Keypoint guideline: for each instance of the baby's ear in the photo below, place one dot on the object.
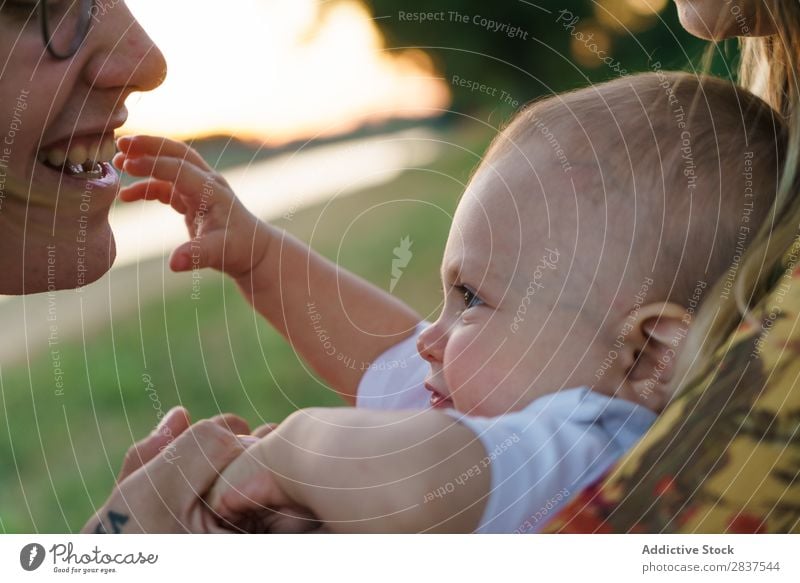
(656, 333)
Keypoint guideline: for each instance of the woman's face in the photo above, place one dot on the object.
(57, 123)
(721, 19)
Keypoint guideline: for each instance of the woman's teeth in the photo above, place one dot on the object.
(80, 161)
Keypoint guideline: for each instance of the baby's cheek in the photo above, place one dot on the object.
(460, 359)
(470, 369)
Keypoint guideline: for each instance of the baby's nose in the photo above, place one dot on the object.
(430, 344)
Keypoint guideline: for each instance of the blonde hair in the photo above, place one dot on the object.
(769, 68)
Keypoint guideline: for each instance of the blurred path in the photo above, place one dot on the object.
(146, 233)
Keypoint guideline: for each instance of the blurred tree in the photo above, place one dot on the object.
(532, 48)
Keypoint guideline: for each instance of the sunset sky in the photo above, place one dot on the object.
(277, 70)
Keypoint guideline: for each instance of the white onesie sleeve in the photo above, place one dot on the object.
(543, 455)
(394, 381)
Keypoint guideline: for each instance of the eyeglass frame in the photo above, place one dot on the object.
(77, 41)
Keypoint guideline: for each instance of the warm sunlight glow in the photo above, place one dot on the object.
(277, 70)
(628, 16)
(601, 44)
(647, 6)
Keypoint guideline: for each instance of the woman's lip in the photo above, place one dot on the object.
(74, 139)
(109, 179)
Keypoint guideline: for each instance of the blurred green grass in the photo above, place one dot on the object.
(59, 454)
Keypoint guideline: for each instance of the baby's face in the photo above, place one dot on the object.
(509, 330)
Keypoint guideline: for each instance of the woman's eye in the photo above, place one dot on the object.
(471, 299)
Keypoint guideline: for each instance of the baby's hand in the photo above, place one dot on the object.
(224, 234)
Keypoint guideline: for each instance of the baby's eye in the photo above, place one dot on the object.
(471, 300)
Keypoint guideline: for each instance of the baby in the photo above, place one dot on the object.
(575, 261)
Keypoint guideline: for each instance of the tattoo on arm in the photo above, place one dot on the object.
(115, 520)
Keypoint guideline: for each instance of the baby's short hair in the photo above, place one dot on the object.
(699, 157)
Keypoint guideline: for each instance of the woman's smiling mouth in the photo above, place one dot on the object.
(83, 157)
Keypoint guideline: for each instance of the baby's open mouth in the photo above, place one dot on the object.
(86, 157)
(438, 400)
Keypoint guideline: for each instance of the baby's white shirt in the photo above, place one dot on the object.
(538, 457)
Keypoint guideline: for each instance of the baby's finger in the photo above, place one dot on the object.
(190, 180)
(158, 190)
(232, 423)
(133, 146)
(265, 429)
(200, 253)
(247, 440)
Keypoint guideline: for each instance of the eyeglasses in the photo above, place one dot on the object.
(65, 24)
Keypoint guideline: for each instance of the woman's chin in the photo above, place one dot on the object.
(705, 20)
(93, 259)
(61, 265)
(695, 25)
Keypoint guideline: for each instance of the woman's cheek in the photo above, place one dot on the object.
(26, 105)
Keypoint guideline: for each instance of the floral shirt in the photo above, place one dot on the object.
(724, 457)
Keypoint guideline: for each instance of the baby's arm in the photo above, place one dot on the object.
(374, 471)
(363, 471)
(336, 321)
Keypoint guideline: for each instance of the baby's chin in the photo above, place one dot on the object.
(497, 404)
(480, 409)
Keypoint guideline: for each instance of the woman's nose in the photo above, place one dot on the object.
(123, 55)
(431, 343)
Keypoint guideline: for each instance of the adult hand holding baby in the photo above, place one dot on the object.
(164, 477)
(249, 496)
